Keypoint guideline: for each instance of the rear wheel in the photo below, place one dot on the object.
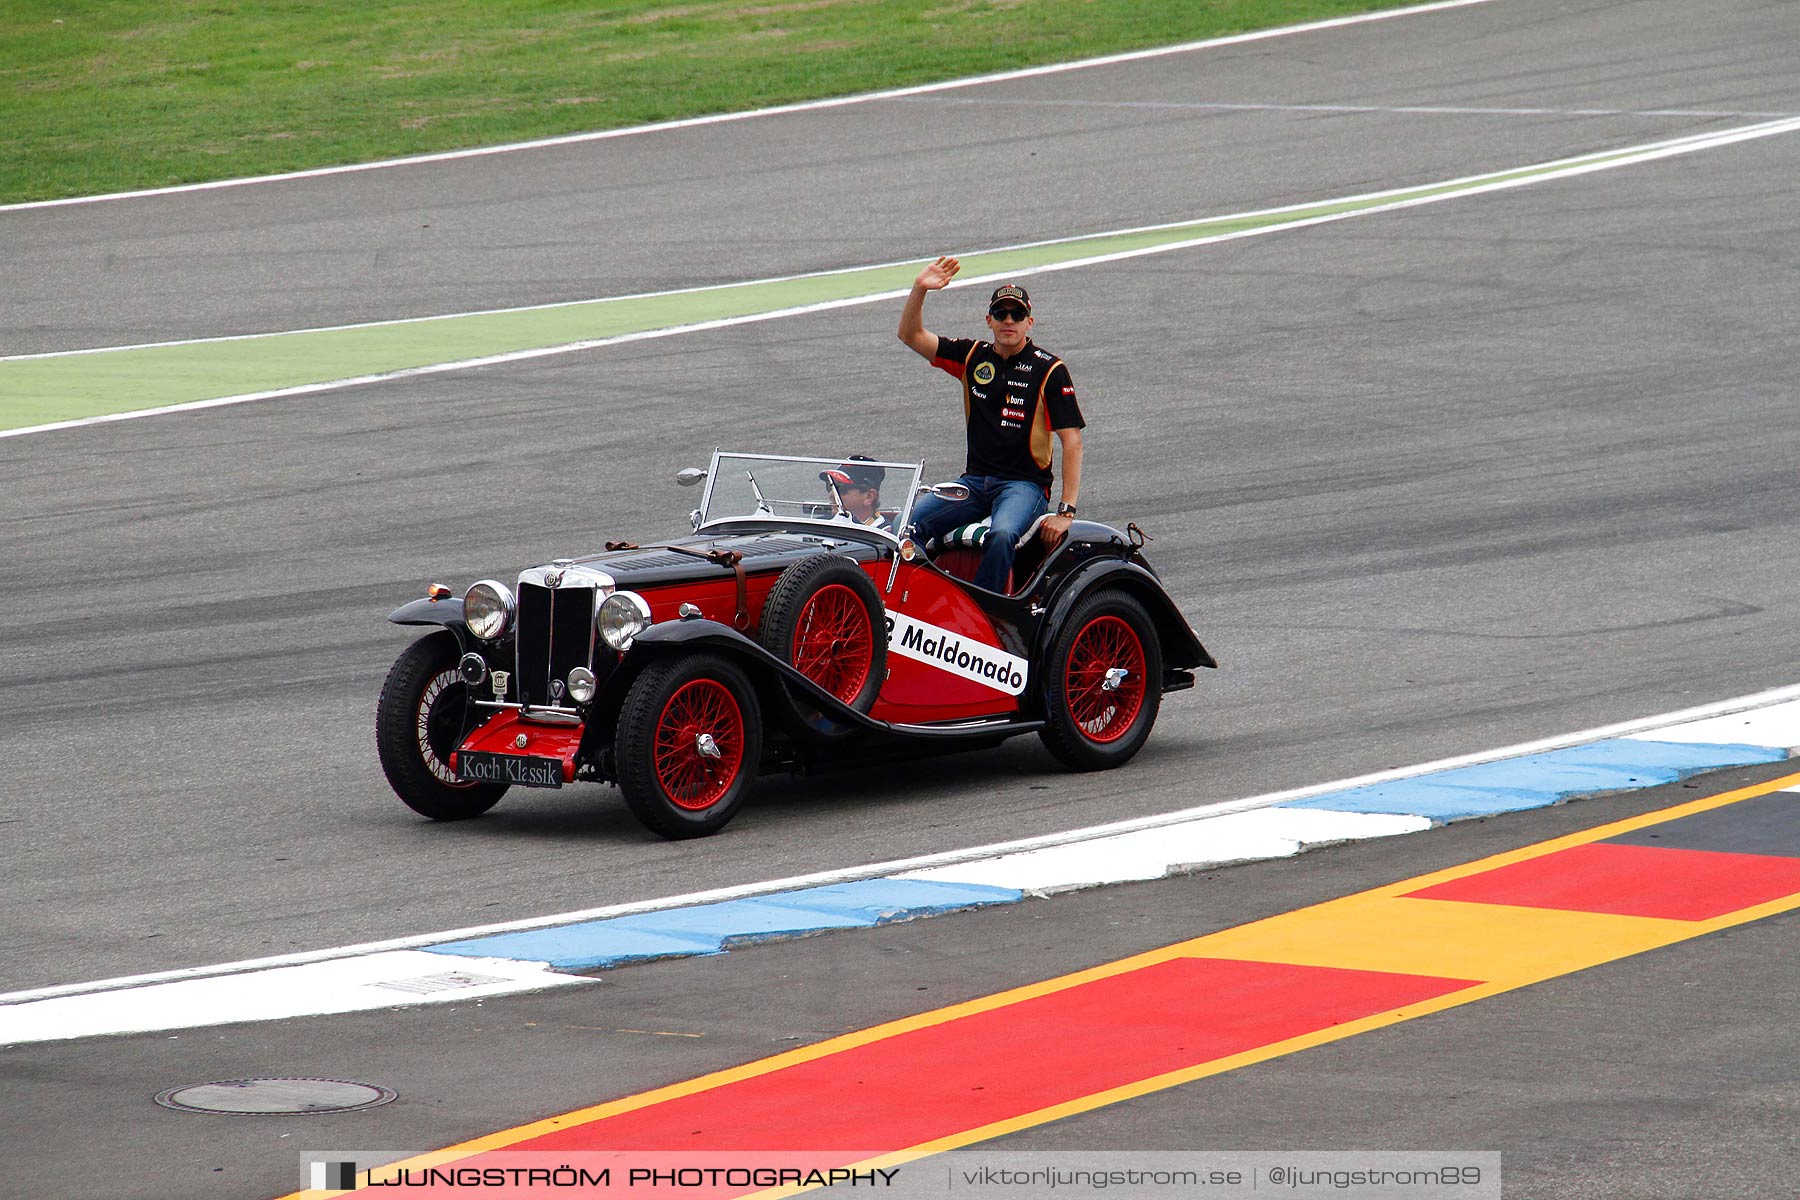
(418, 721)
(688, 745)
(1102, 686)
(824, 617)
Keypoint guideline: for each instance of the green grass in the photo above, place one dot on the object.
(111, 95)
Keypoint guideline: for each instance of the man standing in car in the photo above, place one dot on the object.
(1015, 396)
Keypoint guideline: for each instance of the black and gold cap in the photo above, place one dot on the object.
(1010, 293)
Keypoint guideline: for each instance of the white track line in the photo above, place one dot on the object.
(722, 118)
(1455, 189)
(1549, 169)
(438, 368)
(924, 862)
(549, 306)
(1447, 110)
(361, 984)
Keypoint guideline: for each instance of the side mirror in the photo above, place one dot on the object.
(946, 491)
(689, 476)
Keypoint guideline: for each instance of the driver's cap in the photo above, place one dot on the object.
(1010, 293)
(861, 476)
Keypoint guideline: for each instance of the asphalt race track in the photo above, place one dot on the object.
(1426, 482)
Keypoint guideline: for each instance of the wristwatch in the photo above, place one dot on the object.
(1065, 509)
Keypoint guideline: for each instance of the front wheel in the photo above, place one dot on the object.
(688, 745)
(417, 723)
(1102, 685)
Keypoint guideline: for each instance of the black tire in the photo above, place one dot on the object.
(1087, 726)
(672, 784)
(824, 618)
(417, 723)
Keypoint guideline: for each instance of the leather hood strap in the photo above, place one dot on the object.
(729, 559)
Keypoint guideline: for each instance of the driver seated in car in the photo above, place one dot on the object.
(858, 488)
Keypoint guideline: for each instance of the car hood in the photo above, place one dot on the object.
(681, 559)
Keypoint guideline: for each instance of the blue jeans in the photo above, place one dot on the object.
(1012, 503)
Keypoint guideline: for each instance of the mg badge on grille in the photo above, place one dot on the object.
(552, 578)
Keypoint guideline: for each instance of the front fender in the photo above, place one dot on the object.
(769, 673)
(1181, 646)
(447, 612)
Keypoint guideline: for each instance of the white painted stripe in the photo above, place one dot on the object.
(466, 364)
(375, 981)
(1461, 185)
(400, 322)
(779, 110)
(1776, 725)
(914, 867)
(1434, 110)
(1153, 853)
(1544, 173)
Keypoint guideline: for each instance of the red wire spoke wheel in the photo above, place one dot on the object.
(1102, 647)
(688, 744)
(699, 744)
(1102, 682)
(834, 641)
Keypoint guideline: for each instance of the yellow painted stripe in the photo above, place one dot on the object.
(1501, 947)
(1445, 938)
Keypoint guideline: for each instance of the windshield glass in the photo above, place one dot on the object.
(837, 490)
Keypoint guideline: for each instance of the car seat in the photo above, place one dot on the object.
(958, 551)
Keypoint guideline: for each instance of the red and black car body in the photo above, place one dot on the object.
(782, 633)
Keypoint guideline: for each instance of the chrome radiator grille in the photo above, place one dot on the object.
(555, 635)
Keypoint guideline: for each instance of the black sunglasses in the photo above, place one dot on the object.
(1007, 312)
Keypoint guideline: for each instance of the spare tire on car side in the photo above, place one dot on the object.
(825, 619)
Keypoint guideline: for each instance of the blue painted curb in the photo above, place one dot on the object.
(710, 928)
(1537, 780)
(1506, 785)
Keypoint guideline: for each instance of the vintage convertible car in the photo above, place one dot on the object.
(784, 633)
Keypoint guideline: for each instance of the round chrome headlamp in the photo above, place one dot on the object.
(581, 685)
(488, 608)
(622, 616)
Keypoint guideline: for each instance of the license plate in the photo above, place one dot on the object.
(483, 766)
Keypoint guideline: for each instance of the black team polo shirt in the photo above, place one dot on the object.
(1011, 406)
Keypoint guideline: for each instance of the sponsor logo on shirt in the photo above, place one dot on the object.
(983, 372)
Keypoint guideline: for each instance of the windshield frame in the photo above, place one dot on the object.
(723, 459)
